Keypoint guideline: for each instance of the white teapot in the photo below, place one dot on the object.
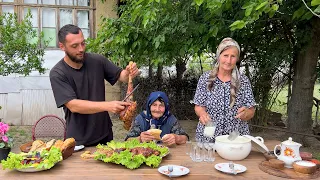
(289, 152)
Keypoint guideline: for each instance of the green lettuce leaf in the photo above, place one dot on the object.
(153, 161)
(49, 159)
(129, 160)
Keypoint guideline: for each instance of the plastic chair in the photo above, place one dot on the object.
(49, 126)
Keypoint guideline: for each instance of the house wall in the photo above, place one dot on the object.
(24, 100)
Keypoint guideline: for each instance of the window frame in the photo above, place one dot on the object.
(19, 7)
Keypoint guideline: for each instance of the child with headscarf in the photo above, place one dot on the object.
(157, 115)
(224, 95)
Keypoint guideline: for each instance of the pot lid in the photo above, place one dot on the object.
(258, 143)
(290, 142)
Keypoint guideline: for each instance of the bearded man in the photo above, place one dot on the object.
(77, 81)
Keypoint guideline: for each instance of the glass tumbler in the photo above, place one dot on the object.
(197, 152)
(188, 148)
(209, 152)
(210, 128)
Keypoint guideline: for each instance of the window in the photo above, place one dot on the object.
(49, 16)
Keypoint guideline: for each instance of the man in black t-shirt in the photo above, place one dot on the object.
(77, 81)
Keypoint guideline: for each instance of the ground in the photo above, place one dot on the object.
(22, 134)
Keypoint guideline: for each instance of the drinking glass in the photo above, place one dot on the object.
(210, 128)
(197, 152)
(209, 152)
(188, 148)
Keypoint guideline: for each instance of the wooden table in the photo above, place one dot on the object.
(76, 168)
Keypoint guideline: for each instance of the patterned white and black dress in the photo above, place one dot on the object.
(217, 103)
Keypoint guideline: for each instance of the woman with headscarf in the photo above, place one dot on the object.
(157, 115)
(223, 95)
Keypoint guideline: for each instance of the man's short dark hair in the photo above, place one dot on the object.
(65, 30)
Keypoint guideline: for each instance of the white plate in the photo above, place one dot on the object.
(31, 169)
(78, 148)
(177, 170)
(224, 167)
(258, 143)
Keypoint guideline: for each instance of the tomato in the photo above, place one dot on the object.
(315, 161)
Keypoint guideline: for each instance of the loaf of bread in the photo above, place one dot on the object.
(58, 144)
(155, 133)
(70, 142)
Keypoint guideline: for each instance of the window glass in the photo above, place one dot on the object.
(49, 2)
(83, 3)
(34, 13)
(48, 17)
(35, 39)
(7, 0)
(30, 1)
(50, 35)
(49, 26)
(66, 2)
(65, 17)
(83, 19)
(7, 9)
(85, 32)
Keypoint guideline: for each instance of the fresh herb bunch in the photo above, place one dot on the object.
(127, 158)
(6, 141)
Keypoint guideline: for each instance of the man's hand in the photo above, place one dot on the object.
(117, 106)
(146, 136)
(169, 139)
(133, 70)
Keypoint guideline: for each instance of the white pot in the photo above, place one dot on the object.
(237, 149)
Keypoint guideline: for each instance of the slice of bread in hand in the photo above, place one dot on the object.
(155, 133)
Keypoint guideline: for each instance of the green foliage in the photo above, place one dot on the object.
(280, 105)
(17, 53)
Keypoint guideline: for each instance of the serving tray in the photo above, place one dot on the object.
(287, 173)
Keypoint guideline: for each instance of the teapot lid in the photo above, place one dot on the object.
(290, 142)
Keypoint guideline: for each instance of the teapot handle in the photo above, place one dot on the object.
(275, 150)
(260, 139)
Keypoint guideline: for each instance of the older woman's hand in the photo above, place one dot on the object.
(245, 113)
(204, 118)
(169, 139)
(146, 136)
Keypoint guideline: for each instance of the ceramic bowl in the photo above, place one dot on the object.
(237, 149)
(305, 167)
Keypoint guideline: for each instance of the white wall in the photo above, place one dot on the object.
(25, 99)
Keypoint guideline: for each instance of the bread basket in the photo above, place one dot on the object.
(68, 151)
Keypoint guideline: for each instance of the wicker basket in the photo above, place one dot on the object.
(68, 152)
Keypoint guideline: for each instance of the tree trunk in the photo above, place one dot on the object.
(301, 102)
(180, 67)
(150, 72)
(159, 71)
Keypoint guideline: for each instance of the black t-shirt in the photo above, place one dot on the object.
(86, 83)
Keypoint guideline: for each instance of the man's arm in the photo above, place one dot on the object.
(92, 107)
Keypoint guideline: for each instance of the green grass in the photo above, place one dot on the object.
(280, 105)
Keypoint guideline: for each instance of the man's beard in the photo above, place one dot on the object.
(75, 59)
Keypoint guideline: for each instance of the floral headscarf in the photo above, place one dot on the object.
(235, 75)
